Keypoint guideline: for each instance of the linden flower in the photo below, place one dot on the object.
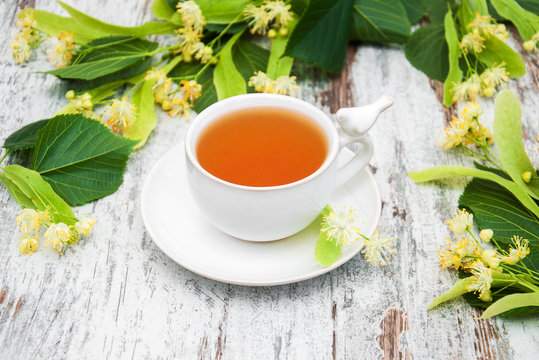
(471, 111)
(191, 89)
(191, 15)
(261, 82)
(467, 90)
(28, 244)
(285, 85)
(482, 279)
(257, 18)
(178, 104)
(491, 258)
(454, 255)
(378, 248)
(531, 45)
(61, 52)
(187, 37)
(520, 246)
(158, 75)
(20, 48)
(59, 236)
(279, 11)
(202, 52)
(84, 225)
(494, 76)
(339, 226)
(461, 223)
(119, 115)
(472, 41)
(28, 220)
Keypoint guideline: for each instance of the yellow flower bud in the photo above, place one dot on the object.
(486, 235)
(167, 105)
(70, 95)
(486, 296)
(527, 176)
(529, 45)
(488, 92)
(272, 34)
(283, 31)
(87, 104)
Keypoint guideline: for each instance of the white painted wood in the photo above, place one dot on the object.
(116, 295)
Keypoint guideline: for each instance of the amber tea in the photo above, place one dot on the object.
(262, 146)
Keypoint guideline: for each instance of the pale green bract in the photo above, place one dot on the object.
(226, 77)
(508, 135)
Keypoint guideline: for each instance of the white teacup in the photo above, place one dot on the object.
(275, 212)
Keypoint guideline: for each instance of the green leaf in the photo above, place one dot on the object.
(496, 208)
(110, 55)
(120, 77)
(227, 80)
(148, 28)
(52, 24)
(511, 302)
(162, 10)
(25, 137)
(526, 22)
(496, 52)
(455, 73)
(508, 134)
(30, 187)
(427, 51)
(445, 171)
(81, 158)
(222, 11)
(480, 6)
(321, 35)
(143, 126)
(497, 294)
(278, 63)
(249, 58)
(458, 289)
(414, 10)
(326, 252)
(380, 21)
(436, 10)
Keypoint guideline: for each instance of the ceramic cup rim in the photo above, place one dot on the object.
(219, 109)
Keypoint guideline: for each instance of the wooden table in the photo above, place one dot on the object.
(116, 295)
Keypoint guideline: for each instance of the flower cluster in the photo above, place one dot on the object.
(35, 224)
(485, 84)
(472, 255)
(189, 44)
(531, 45)
(119, 115)
(26, 38)
(177, 100)
(466, 129)
(341, 227)
(79, 104)
(481, 29)
(481, 85)
(284, 85)
(61, 51)
(274, 14)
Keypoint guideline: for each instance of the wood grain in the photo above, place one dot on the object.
(117, 296)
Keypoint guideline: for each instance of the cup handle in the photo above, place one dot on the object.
(361, 158)
(354, 124)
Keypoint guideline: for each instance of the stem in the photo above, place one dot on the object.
(210, 44)
(4, 156)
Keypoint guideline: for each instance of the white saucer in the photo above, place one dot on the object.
(181, 231)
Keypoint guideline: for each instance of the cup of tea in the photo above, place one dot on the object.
(261, 167)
